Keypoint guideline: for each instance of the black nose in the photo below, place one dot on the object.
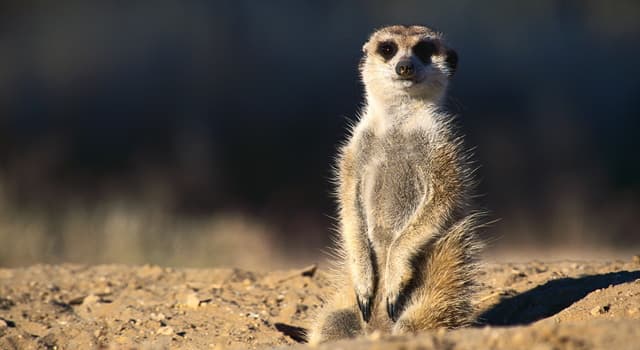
(405, 68)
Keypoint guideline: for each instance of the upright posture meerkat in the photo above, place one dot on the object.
(407, 246)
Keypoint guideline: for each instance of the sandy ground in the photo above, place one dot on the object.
(535, 305)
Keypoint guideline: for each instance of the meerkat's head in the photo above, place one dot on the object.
(407, 61)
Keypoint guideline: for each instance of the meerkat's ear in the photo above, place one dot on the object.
(364, 48)
(452, 61)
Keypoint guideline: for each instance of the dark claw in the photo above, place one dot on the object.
(365, 308)
(392, 310)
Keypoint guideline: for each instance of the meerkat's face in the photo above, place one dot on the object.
(414, 61)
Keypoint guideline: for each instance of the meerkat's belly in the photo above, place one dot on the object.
(393, 189)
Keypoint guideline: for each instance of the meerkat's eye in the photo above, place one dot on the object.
(424, 50)
(387, 49)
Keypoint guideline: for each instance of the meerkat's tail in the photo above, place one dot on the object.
(442, 298)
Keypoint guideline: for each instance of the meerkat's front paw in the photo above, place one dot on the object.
(397, 277)
(364, 288)
(364, 304)
(364, 297)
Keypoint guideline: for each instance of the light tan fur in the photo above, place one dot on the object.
(407, 247)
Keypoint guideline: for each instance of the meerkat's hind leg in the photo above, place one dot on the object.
(337, 324)
(443, 296)
(340, 317)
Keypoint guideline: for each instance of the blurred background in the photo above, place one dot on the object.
(202, 133)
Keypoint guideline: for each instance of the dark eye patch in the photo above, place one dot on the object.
(424, 50)
(387, 49)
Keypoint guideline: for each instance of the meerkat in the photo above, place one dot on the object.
(407, 247)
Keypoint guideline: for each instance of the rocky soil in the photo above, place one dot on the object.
(536, 305)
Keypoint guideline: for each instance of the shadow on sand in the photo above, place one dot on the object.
(298, 334)
(549, 299)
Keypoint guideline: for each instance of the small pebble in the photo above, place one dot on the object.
(599, 310)
(191, 300)
(90, 299)
(165, 330)
(157, 317)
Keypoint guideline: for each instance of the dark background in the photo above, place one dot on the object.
(202, 132)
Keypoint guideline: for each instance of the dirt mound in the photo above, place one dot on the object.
(572, 305)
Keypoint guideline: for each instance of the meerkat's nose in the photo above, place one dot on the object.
(405, 68)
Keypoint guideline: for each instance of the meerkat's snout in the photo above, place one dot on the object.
(405, 68)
